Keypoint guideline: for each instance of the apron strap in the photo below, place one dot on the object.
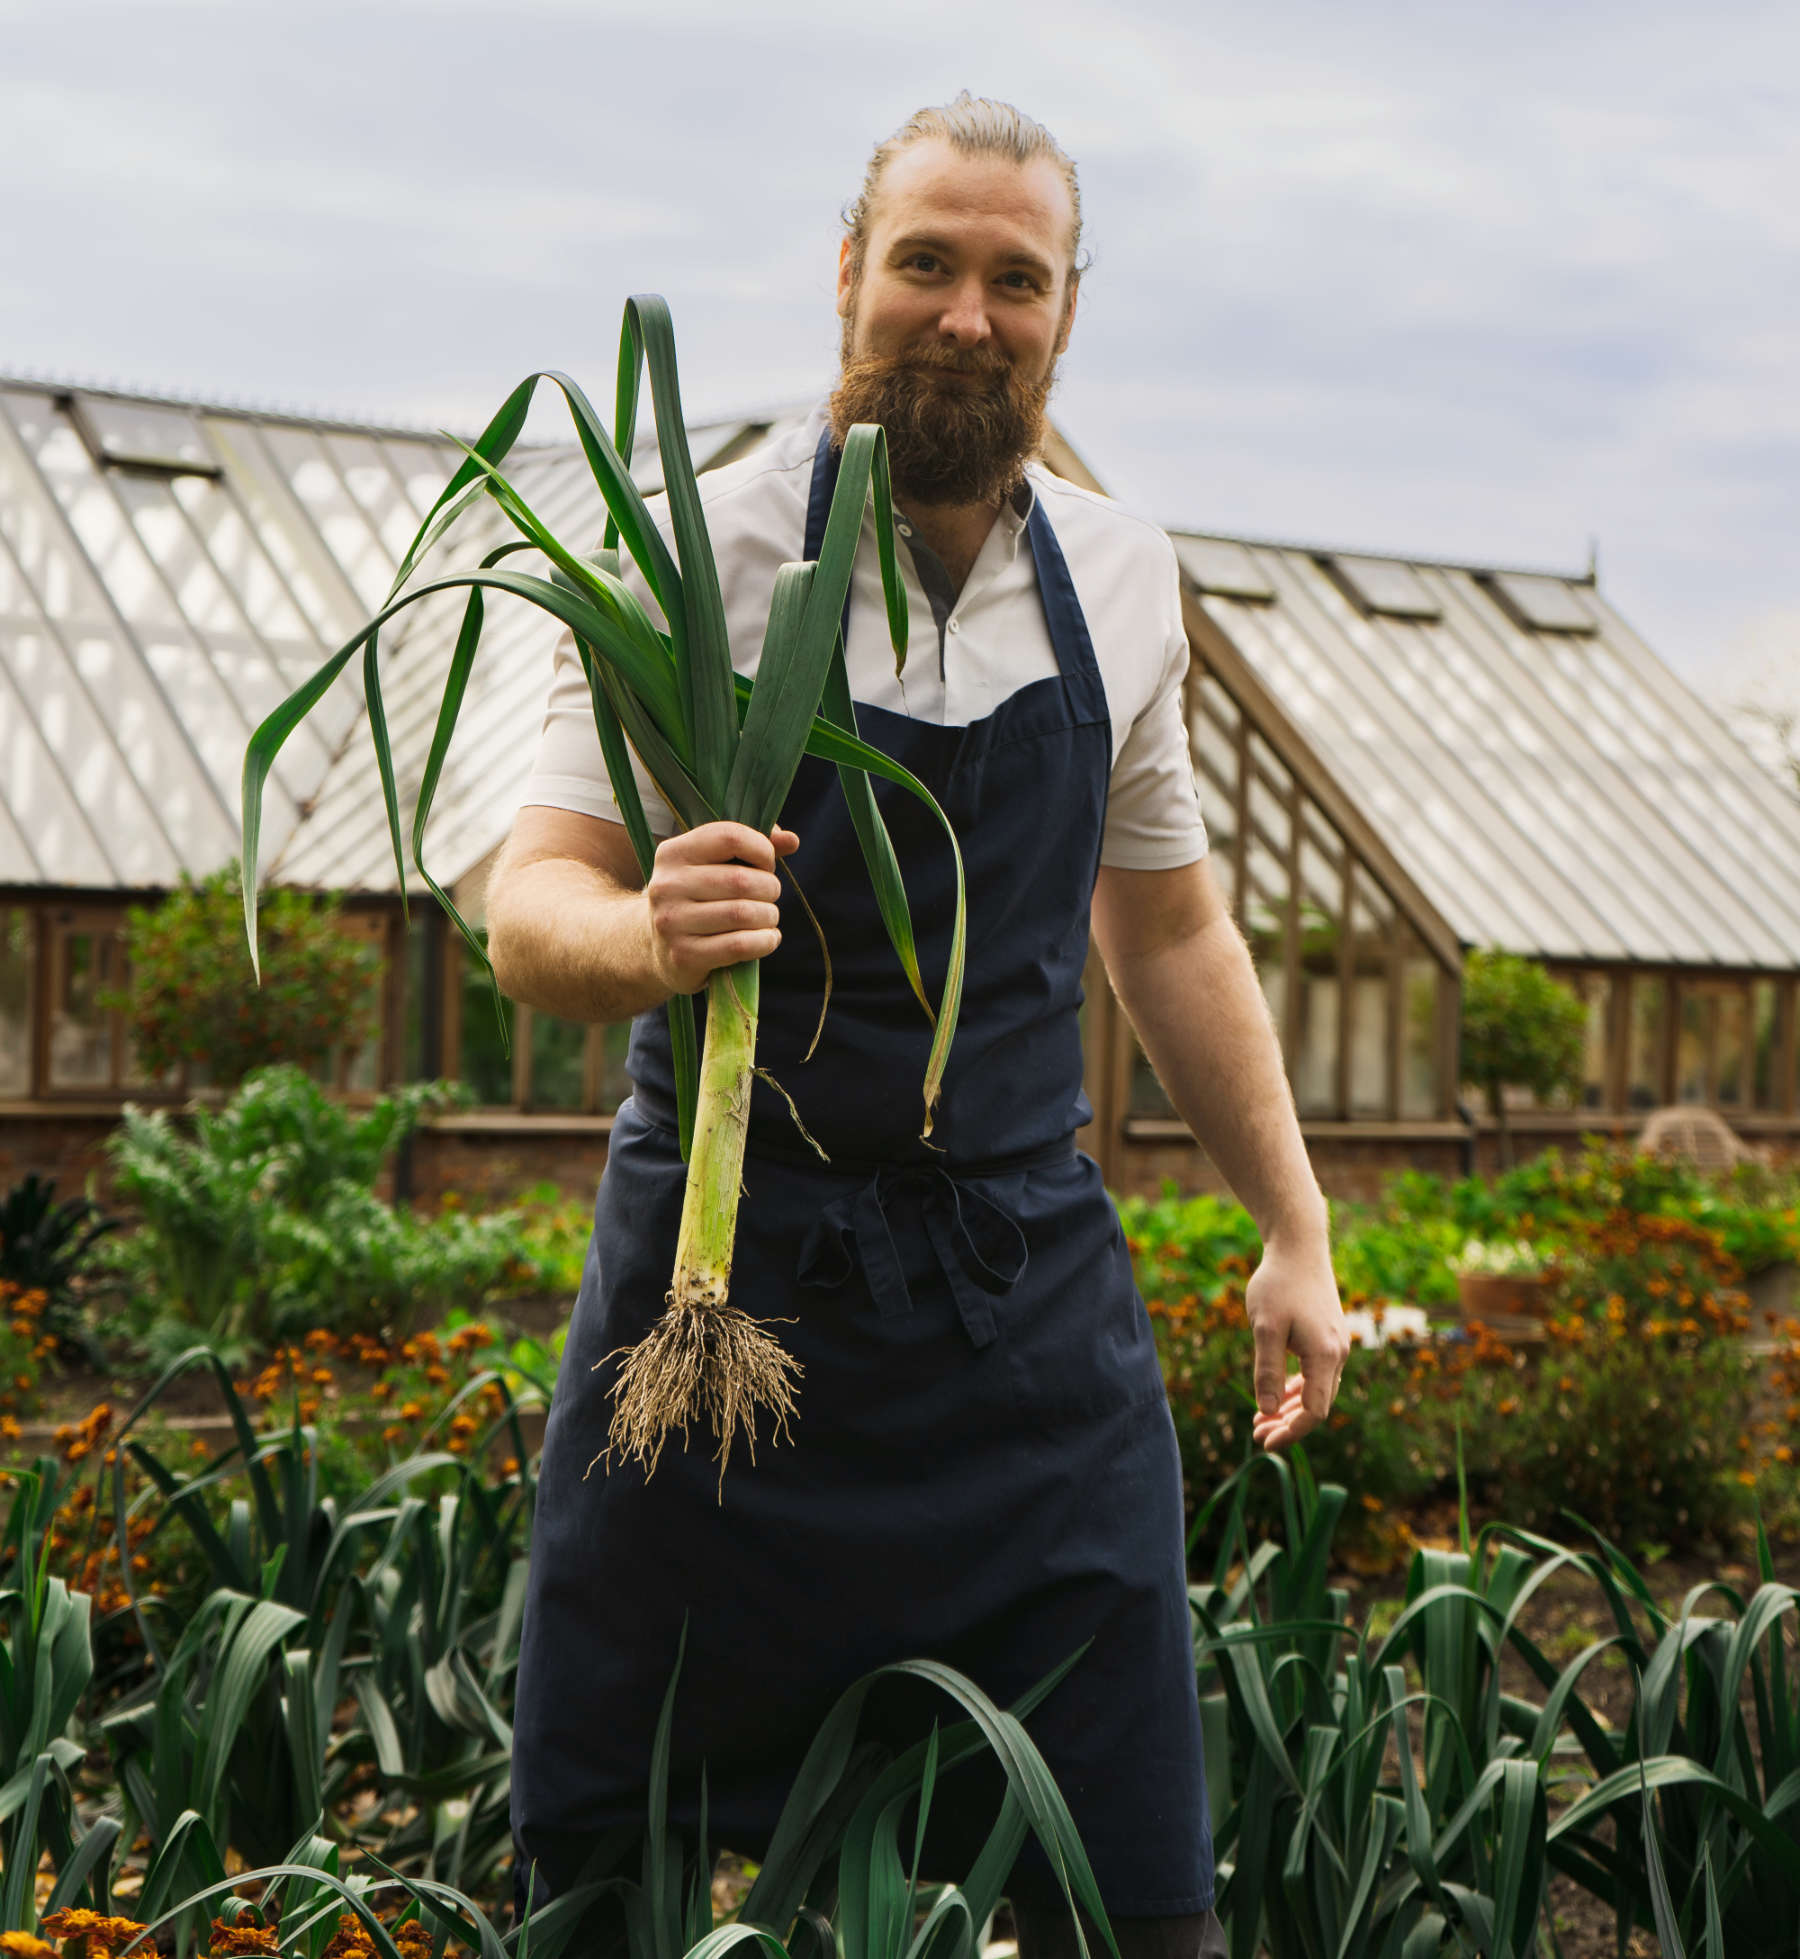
(979, 1246)
(1067, 623)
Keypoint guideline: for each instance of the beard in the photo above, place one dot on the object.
(961, 422)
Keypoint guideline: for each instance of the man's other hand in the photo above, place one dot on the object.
(711, 901)
(1292, 1299)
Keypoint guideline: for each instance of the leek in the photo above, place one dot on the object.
(717, 747)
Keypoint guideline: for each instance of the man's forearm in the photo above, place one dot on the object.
(1201, 1017)
(568, 940)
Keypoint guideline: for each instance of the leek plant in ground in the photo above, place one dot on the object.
(1390, 1798)
(717, 747)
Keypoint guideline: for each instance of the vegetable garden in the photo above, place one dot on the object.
(1503, 1663)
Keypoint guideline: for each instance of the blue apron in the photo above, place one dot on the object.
(983, 1467)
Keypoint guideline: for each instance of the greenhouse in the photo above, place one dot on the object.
(1397, 760)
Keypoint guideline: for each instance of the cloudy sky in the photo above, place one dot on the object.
(1472, 281)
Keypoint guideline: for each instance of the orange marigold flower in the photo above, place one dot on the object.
(1510, 1406)
(23, 1946)
(510, 1467)
(93, 1926)
(323, 1377)
(1372, 1504)
(351, 1940)
(241, 1938)
(410, 1411)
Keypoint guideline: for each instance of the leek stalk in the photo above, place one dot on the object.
(717, 746)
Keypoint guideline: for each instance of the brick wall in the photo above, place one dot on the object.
(67, 1145)
(487, 1163)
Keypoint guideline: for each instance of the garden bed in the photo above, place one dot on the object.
(1634, 1407)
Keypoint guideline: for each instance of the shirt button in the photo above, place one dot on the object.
(956, 625)
(905, 530)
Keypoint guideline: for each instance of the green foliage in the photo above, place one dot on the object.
(1395, 1258)
(1647, 1315)
(193, 998)
(1638, 1418)
(717, 745)
(1752, 1209)
(336, 1712)
(554, 1232)
(1330, 1849)
(1391, 1437)
(1520, 1029)
(45, 1247)
(261, 1218)
(1395, 1794)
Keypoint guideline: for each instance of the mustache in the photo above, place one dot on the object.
(988, 363)
(946, 444)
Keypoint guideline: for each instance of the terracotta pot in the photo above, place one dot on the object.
(1503, 1295)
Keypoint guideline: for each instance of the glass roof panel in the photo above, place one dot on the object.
(62, 845)
(1612, 806)
(1376, 732)
(150, 435)
(307, 569)
(348, 533)
(1547, 605)
(77, 745)
(1555, 792)
(378, 492)
(1217, 565)
(224, 534)
(197, 815)
(1385, 586)
(423, 468)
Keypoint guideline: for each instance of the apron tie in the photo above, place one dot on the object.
(979, 1246)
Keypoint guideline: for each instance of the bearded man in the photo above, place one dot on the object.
(983, 1469)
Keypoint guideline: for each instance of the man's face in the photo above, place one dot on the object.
(954, 322)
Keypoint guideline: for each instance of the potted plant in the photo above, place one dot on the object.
(1502, 1279)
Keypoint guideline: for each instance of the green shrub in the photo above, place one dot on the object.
(1638, 1419)
(261, 1219)
(192, 997)
(352, 1263)
(1520, 1029)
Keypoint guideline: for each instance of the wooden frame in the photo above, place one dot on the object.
(1287, 780)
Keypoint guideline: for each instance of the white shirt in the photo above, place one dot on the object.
(994, 642)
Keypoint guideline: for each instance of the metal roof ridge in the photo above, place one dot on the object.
(1315, 549)
(246, 410)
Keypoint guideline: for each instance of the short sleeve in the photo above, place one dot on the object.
(570, 770)
(1153, 820)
